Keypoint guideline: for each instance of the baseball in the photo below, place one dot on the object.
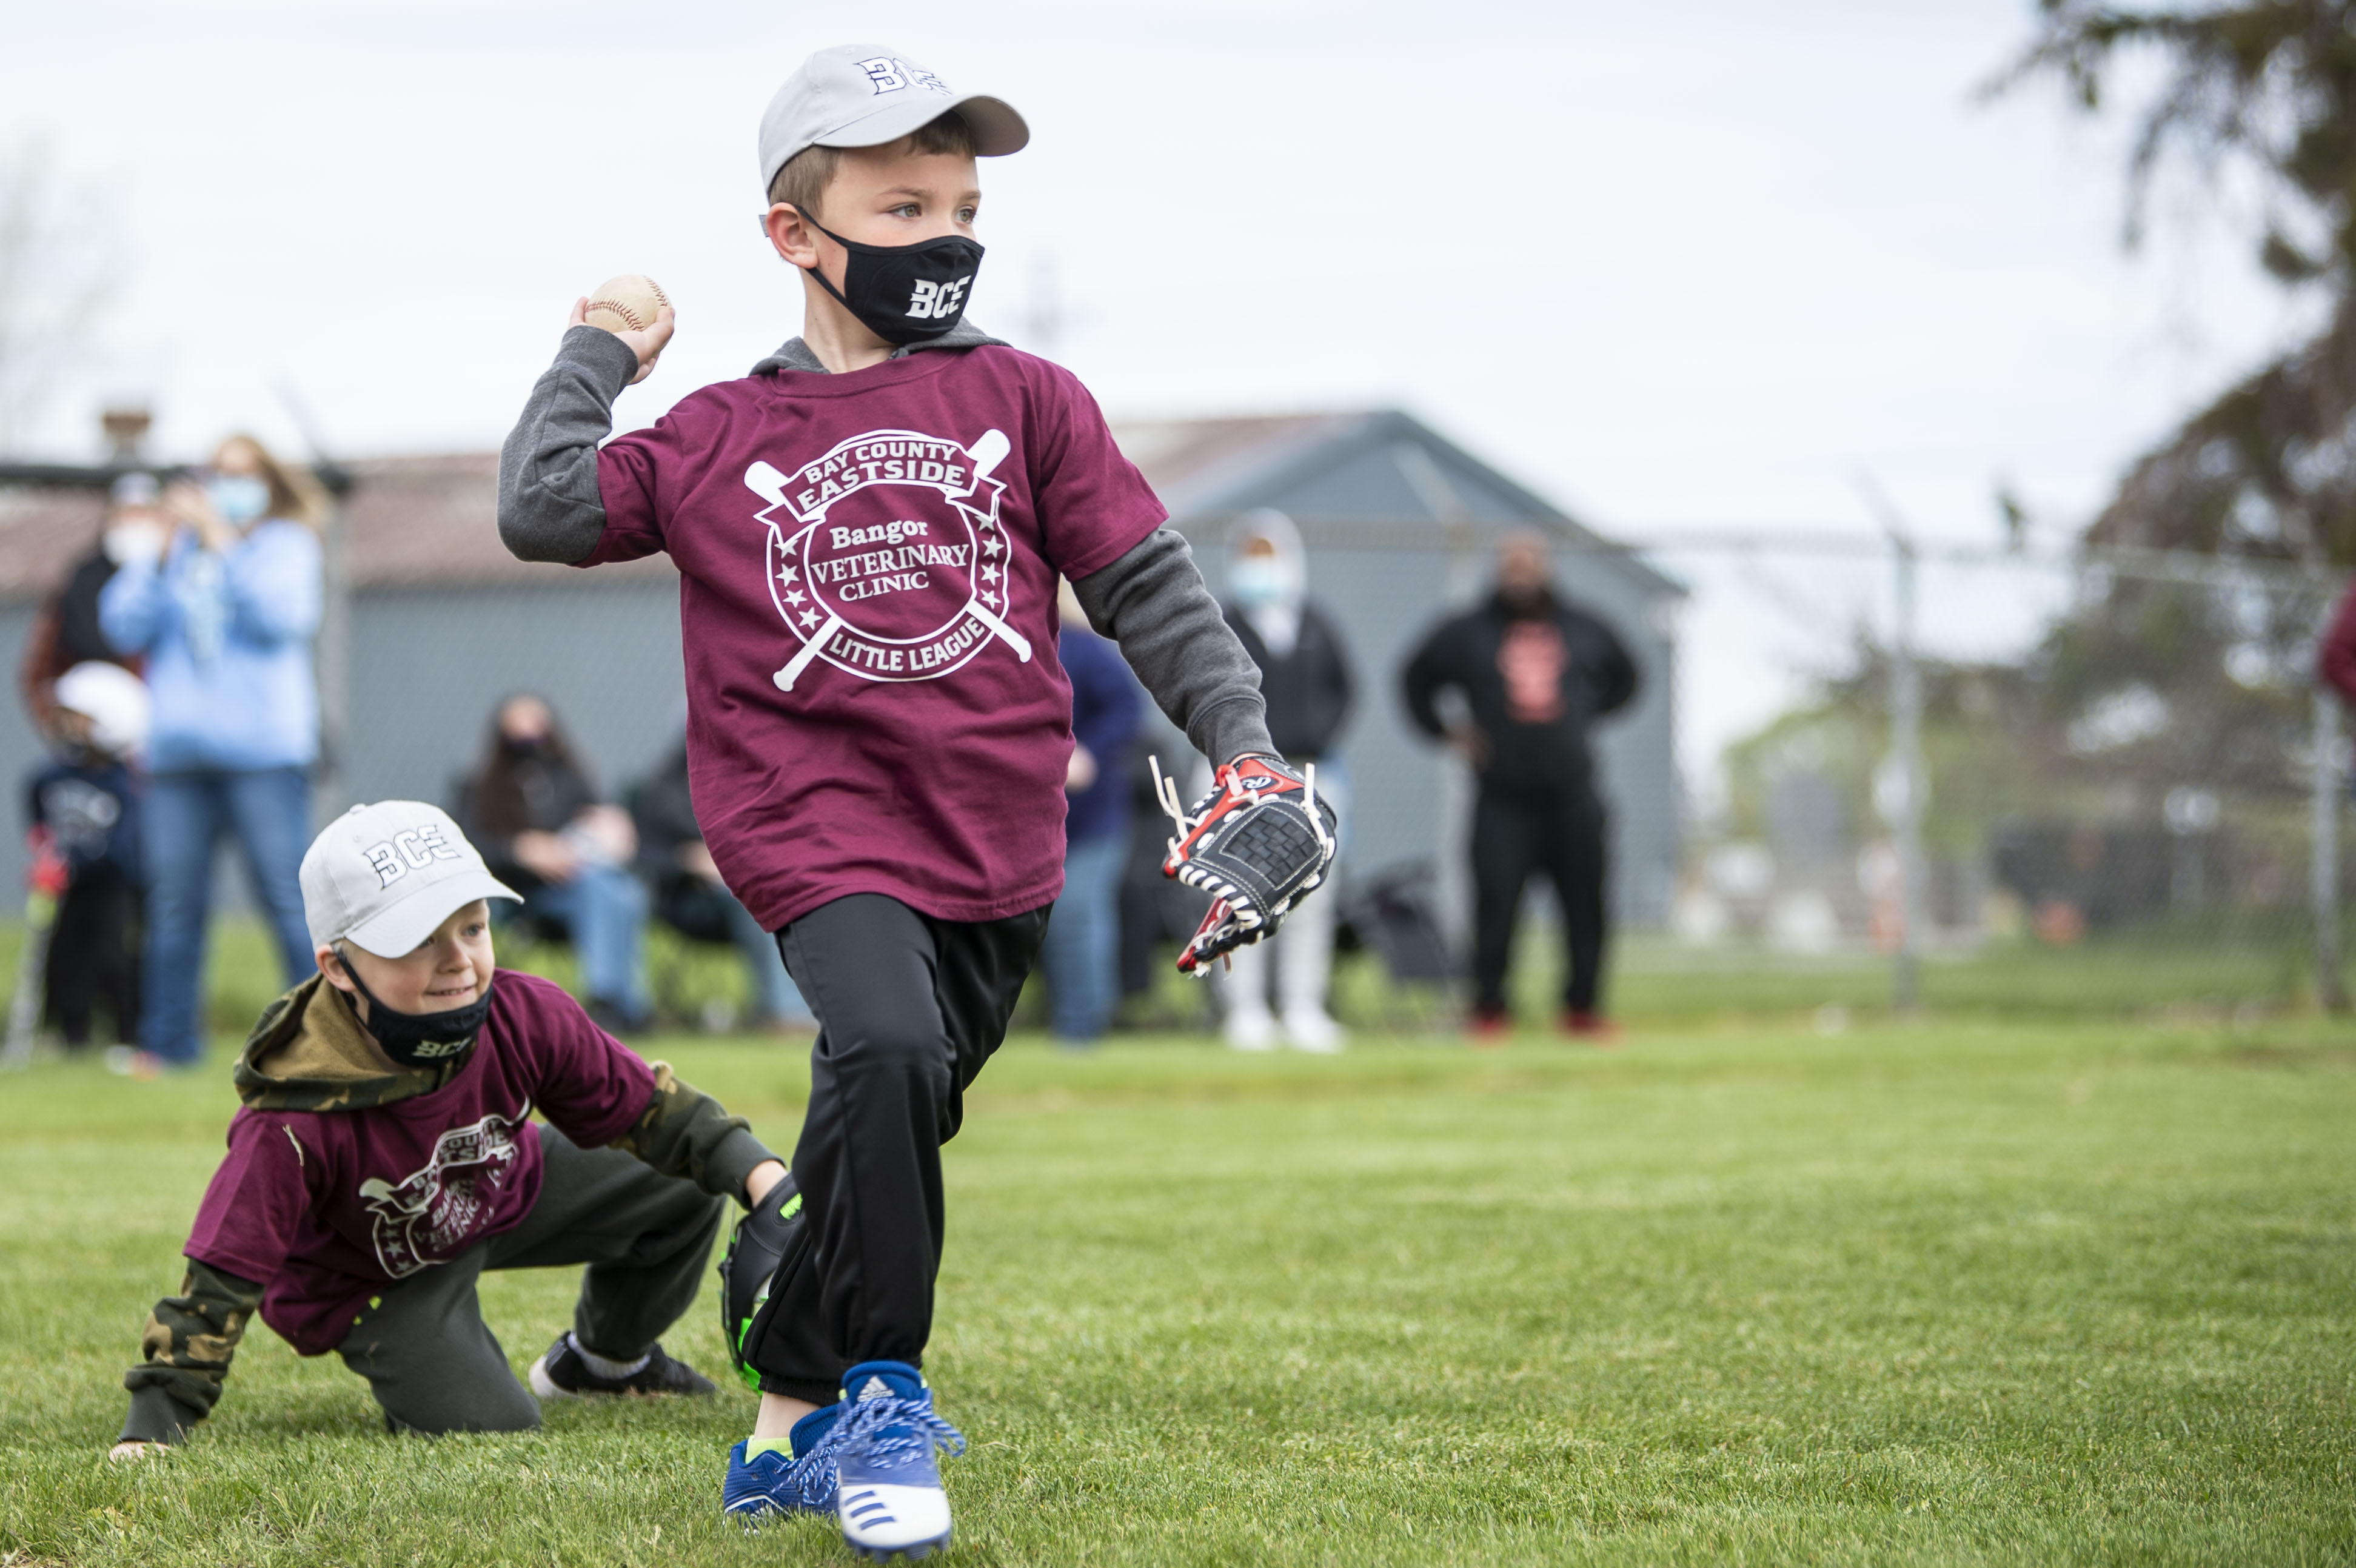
(625, 304)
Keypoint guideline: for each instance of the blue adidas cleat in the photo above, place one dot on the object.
(888, 1489)
(769, 1484)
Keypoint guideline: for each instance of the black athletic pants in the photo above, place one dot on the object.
(1559, 833)
(435, 1366)
(94, 955)
(909, 1008)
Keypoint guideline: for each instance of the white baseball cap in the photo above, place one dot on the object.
(114, 700)
(863, 95)
(382, 876)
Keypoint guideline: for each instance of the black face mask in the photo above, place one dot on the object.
(903, 293)
(421, 1039)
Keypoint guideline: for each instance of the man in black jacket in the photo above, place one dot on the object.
(1533, 673)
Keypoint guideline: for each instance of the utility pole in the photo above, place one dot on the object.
(1906, 752)
(2331, 993)
(331, 650)
(1907, 792)
(332, 665)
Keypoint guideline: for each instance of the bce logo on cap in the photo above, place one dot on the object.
(890, 75)
(420, 847)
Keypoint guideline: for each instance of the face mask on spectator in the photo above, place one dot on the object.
(240, 498)
(1259, 580)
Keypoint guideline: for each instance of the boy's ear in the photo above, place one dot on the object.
(791, 235)
(331, 964)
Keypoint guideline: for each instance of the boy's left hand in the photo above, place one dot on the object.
(1259, 843)
(648, 345)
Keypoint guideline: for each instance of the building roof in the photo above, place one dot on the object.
(42, 531)
(1376, 477)
(410, 523)
(433, 521)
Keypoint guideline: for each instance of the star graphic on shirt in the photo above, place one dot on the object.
(990, 546)
(810, 618)
(795, 540)
(793, 596)
(988, 573)
(787, 574)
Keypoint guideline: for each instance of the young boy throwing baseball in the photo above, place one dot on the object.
(868, 529)
(385, 1157)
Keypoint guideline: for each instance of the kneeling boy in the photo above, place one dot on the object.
(384, 1158)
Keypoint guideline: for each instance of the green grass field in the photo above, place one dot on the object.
(1995, 1289)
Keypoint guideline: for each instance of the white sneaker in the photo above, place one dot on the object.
(1313, 1029)
(888, 1492)
(1251, 1029)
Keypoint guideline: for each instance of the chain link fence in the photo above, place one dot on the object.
(2122, 785)
(2124, 791)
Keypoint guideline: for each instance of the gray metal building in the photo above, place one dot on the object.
(441, 622)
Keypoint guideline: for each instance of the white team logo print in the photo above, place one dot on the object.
(885, 556)
(433, 1215)
(941, 300)
(890, 75)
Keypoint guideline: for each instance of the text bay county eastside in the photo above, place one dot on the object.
(944, 464)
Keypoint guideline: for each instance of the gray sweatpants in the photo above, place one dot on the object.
(435, 1366)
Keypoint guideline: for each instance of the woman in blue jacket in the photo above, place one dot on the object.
(225, 616)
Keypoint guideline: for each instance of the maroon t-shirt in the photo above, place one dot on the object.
(327, 1207)
(867, 605)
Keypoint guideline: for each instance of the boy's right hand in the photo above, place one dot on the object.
(646, 345)
(135, 1449)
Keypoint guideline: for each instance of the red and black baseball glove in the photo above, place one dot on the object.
(1256, 844)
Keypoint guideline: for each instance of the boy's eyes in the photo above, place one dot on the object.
(916, 210)
(474, 930)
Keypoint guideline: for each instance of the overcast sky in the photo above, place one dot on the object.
(1676, 267)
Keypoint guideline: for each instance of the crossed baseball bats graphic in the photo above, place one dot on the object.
(985, 454)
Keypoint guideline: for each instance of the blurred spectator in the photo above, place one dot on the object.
(1156, 912)
(1533, 674)
(530, 808)
(82, 807)
(66, 630)
(2336, 661)
(1304, 673)
(224, 615)
(690, 897)
(1081, 954)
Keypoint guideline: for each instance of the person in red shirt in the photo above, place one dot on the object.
(2335, 663)
(384, 1157)
(1533, 674)
(868, 529)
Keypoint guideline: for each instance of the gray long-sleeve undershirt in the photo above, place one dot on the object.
(1152, 601)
